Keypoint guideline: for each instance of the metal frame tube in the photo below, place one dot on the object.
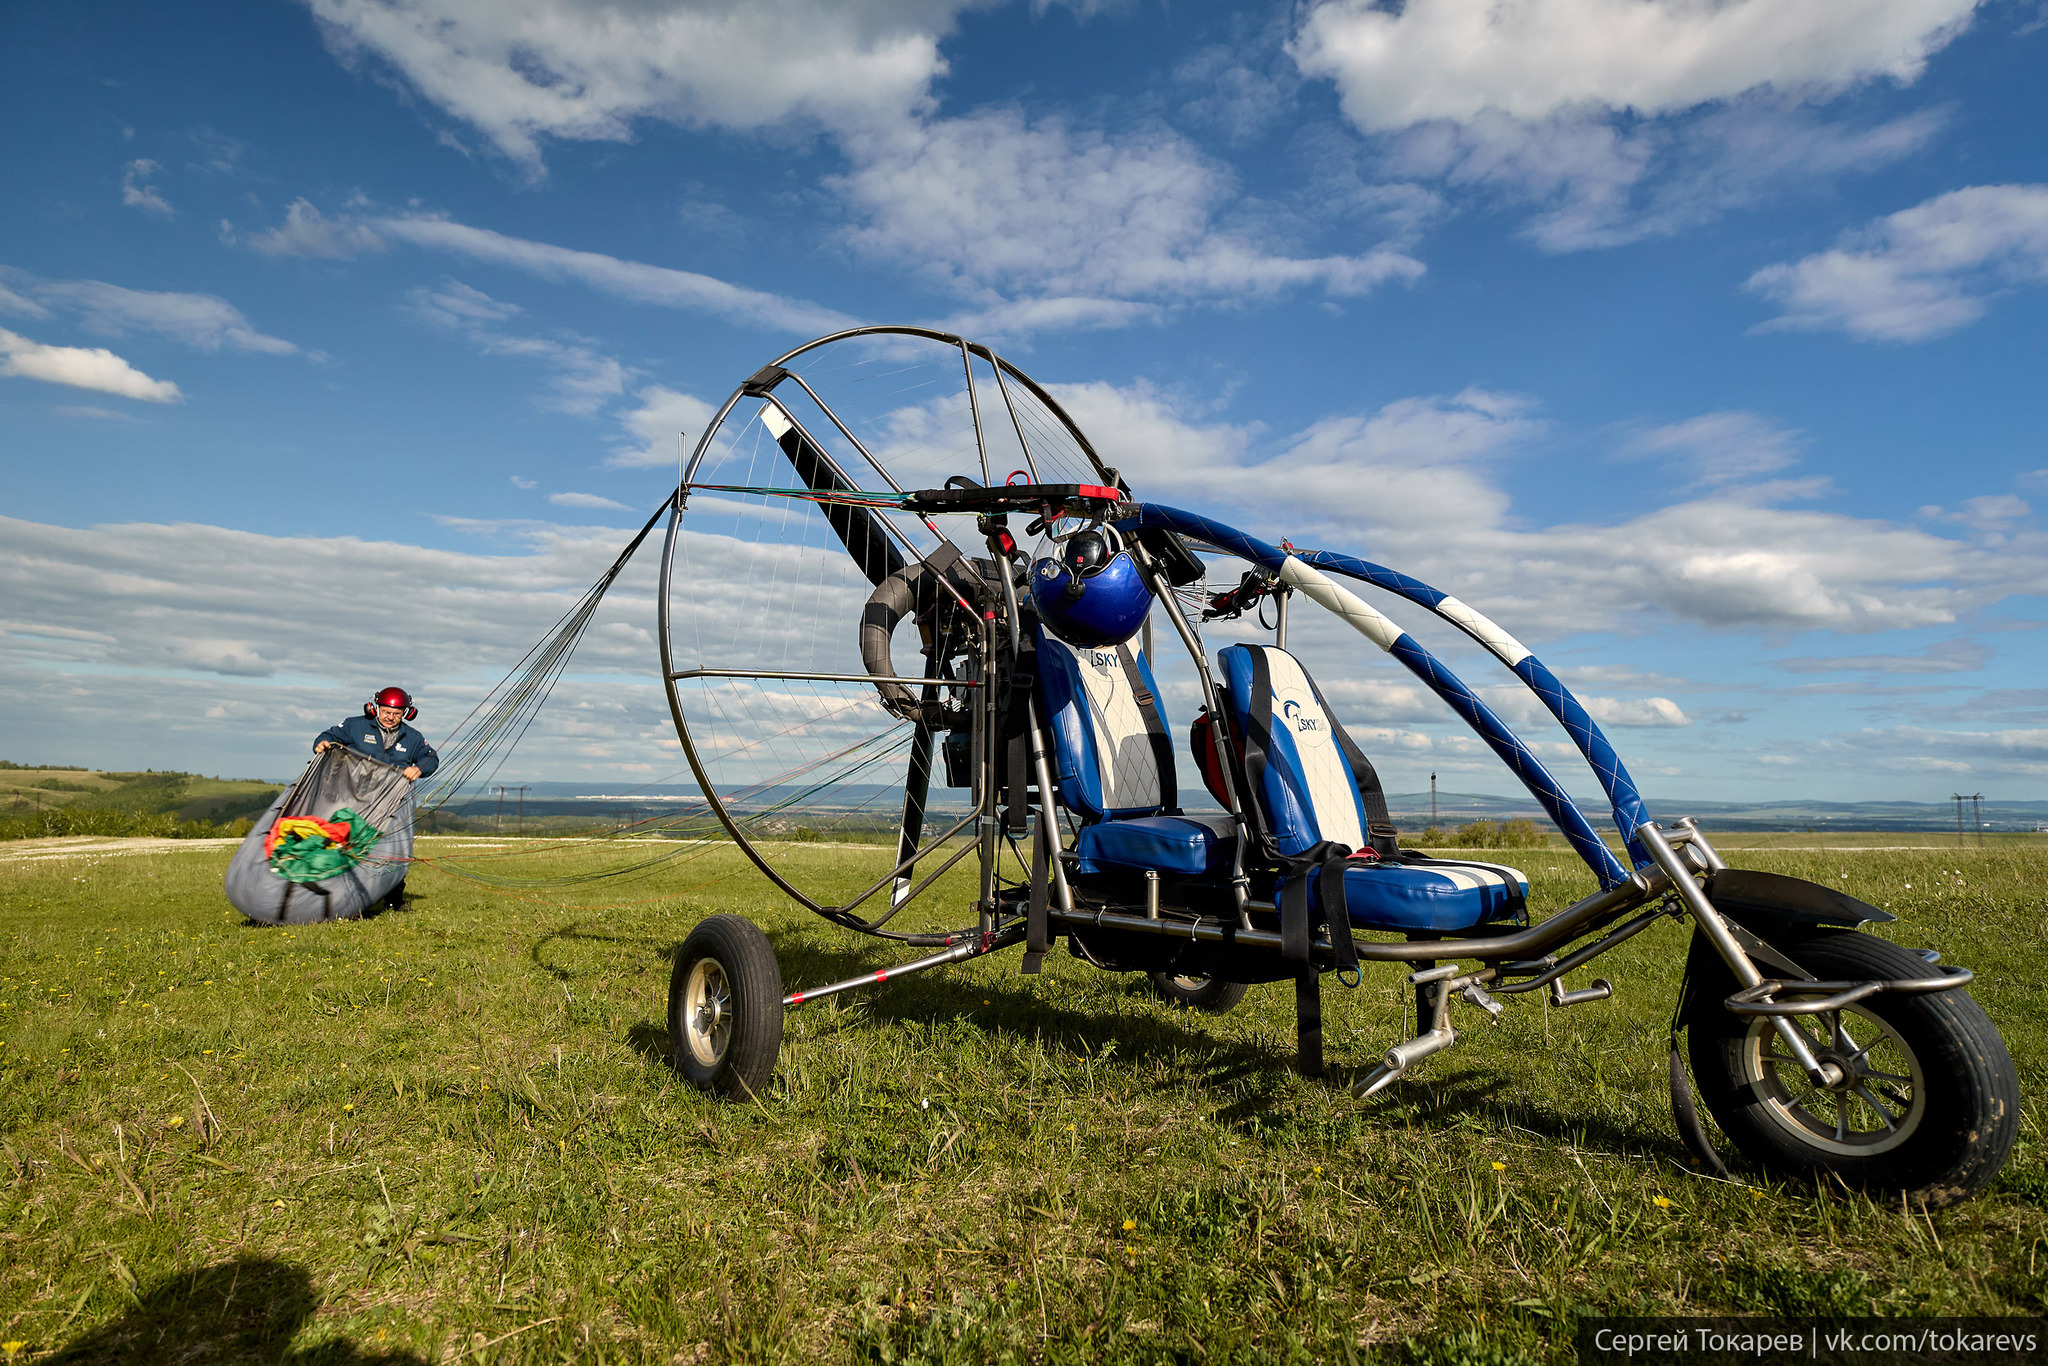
(827, 678)
(1162, 592)
(1023, 443)
(984, 944)
(974, 411)
(1716, 929)
(1540, 938)
(1048, 828)
(1583, 956)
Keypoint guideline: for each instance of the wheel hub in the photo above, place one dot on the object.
(707, 1012)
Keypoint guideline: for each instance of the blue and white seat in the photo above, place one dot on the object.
(1309, 784)
(1113, 761)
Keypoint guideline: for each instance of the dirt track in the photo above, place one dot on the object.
(99, 846)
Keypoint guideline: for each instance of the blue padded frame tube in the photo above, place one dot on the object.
(1613, 775)
(1425, 666)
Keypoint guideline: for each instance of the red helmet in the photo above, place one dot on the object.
(391, 697)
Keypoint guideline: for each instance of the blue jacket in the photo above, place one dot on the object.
(409, 747)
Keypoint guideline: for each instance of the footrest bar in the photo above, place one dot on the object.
(1757, 1000)
(1403, 1056)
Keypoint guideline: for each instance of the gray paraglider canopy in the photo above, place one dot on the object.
(264, 887)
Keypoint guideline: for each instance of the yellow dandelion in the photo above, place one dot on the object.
(1500, 1166)
(175, 1121)
(1660, 1201)
(347, 1108)
(1130, 1224)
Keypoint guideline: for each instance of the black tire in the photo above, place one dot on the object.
(1191, 991)
(1930, 1102)
(725, 1008)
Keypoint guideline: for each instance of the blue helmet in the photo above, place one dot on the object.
(1091, 594)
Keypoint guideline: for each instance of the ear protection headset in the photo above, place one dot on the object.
(391, 697)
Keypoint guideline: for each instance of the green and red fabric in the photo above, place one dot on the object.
(306, 849)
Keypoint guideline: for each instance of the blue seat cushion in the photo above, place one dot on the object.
(1189, 845)
(1441, 894)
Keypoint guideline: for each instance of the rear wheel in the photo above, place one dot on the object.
(725, 1008)
(1191, 991)
(1927, 1101)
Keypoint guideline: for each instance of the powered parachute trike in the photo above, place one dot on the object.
(911, 622)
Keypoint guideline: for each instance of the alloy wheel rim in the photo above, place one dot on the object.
(1875, 1107)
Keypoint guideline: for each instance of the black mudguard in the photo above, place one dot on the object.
(1768, 904)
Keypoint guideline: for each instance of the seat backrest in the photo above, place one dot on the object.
(1112, 750)
(1294, 752)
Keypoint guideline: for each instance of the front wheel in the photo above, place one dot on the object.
(725, 1008)
(1928, 1101)
(1191, 991)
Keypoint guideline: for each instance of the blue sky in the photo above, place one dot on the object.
(1700, 344)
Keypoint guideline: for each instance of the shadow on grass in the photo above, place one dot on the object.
(247, 1310)
(1436, 1100)
(651, 1042)
(575, 932)
(939, 998)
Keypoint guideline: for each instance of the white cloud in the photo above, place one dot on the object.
(2010, 752)
(586, 500)
(120, 638)
(1949, 656)
(631, 280)
(197, 320)
(1414, 463)
(132, 597)
(1636, 712)
(654, 424)
(1593, 182)
(584, 379)
(81, 368)
(10, 302)
(521, 70)
(1531, 59)
(1991, 512)
(1918, 273)
(1413, 485)
(138, 193)
(1721, 448)
(1035, 224)
(996, 206)
(1617, 120)
(87, 410)
(308, 232)
(519, 483)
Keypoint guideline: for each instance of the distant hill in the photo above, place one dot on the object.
(29, 795)
(1412, 809)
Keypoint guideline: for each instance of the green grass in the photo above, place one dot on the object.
(449, 1128)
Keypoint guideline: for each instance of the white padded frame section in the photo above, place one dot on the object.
(1357, 613)
(1505, 647)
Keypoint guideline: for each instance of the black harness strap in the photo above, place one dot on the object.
(1258, 742)
(1155, 730)
(1379, 824)
(1326, 863)
(1037, 939)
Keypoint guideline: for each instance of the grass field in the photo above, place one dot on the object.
(446, 1134)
